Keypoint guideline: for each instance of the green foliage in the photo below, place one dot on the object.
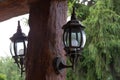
(9, 69)
(102, 51)
(116, 7)
(2, 77)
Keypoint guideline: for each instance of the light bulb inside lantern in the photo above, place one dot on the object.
(21, 51)
(74, 42)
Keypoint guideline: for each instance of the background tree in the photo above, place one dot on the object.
(102, 51)
(2, 77)
(9, 70)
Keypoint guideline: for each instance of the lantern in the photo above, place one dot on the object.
(74, 39)
(18, 47)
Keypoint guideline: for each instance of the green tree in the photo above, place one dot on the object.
(10, 69)
(2, 77)
(102, 51)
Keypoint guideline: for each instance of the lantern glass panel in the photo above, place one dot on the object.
(75, 39)
(83, 39)
(12, 49)
(20, 48)
(66, 39)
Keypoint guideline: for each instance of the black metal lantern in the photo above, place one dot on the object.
(18, 47)
(74, 39)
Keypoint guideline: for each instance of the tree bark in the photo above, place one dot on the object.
(45, 39)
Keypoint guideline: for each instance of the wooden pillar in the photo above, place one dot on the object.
(45, 39)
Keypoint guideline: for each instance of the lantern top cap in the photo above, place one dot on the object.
(18, 36)
(73, 22)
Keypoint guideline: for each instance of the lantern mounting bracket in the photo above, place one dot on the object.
(59, 65)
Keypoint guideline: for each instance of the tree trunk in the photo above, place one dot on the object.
(45, 39)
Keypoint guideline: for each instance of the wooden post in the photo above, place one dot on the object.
(45, 39)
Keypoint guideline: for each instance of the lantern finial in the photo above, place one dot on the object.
(19, 28)
(73, 17)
